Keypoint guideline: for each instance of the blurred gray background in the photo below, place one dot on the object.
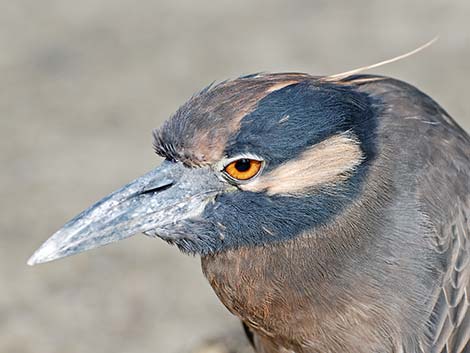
(83, 83)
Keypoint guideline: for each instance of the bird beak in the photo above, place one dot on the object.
(160, 198)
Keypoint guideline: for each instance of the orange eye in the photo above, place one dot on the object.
(243, 169)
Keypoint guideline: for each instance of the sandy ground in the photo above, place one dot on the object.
(82, 84)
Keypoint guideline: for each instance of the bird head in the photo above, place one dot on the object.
(260, 159)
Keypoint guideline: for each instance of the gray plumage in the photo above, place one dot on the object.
(434, 169)
(354, 236)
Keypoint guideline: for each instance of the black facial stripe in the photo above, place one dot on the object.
(251, 219)
(313, 113)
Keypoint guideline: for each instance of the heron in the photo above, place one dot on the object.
(331, 214)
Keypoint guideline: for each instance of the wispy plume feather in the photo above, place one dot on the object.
(340, 76)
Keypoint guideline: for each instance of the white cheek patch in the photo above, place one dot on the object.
(328, 162)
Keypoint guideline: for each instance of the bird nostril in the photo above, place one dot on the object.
(156, 189)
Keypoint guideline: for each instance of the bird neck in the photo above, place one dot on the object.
(336, 286)
(292, 294)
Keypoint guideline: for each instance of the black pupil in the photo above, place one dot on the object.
(242, 165)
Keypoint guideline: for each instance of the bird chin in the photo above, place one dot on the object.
(179, 235)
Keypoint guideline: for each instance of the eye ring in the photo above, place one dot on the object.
(243, 168)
